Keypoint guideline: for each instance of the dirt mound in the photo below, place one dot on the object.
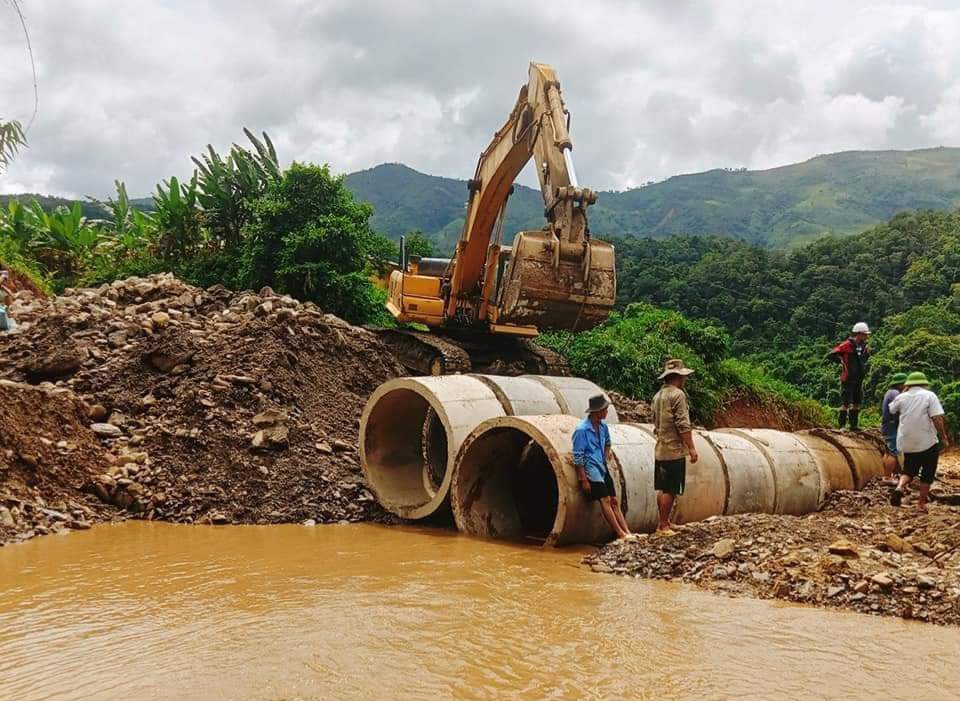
(857, 553)
(47, 455)
(217, 406)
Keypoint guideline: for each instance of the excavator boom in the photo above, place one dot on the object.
(557, 277)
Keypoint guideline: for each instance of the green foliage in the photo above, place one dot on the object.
(627, 353)
(63, 240)
(310, 238)
(178, 218)
(240, 221)
(128, 231)
(417, 244)
(382, 254)
(12, 139)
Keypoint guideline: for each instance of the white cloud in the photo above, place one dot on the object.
(656, 88)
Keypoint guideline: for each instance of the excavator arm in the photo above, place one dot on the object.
(557, 277)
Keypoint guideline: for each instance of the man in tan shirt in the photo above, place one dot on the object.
(671, 423)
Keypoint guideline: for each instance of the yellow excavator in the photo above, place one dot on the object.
(483, 305)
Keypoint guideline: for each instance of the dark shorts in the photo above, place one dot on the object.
(599, 490)
(851, 393)
(670, 475)
(890, 439)
(923, 464)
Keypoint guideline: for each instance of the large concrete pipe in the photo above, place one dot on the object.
(863, 457)
(793, 468)
(706, 490)
(514, 478)
(412, 428)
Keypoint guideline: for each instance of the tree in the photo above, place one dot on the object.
(308, 237)
(418, 244)
(12, 139)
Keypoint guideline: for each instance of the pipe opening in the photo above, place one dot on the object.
(434, 442)
(507, 487)
(405, 449)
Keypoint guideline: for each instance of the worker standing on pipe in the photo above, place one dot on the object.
(853, 355)
(921, 419)
(591, 453)
(889, 424)
(671, 423)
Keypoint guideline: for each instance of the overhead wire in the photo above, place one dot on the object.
(33, 65)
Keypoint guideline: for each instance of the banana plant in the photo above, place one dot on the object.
(19, 223)
(128, 230)
(65, 240)
(178, 217)
(228, 186)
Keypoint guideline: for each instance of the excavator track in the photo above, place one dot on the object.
(549, 362)
(433, 354)
(425, 353)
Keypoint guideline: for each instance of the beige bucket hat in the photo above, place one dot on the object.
(675, 366)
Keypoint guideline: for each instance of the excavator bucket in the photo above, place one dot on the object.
(554, 286)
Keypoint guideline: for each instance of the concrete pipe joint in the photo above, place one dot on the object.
(411, 429)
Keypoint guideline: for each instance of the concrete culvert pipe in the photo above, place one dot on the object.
(705, 492)
(863, 457)
(835, 470)
(514, 478)
(793, 469)
(411, 429)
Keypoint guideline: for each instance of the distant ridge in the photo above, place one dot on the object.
(841, 193)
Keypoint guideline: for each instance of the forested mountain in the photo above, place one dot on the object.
(841, 193)
(785, 309)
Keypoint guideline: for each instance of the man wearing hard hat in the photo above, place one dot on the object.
(852, 355)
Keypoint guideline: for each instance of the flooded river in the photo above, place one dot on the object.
(149, 611)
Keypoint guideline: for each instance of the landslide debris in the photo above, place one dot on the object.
(202, 405)
(857, 553)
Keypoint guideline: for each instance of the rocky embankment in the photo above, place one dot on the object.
(154, 399)
(856, 553)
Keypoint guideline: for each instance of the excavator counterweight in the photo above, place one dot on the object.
(484, 304)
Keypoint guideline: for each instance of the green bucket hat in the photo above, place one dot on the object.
(897, 379)
(916, 378)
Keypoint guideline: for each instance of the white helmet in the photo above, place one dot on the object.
(861, 327)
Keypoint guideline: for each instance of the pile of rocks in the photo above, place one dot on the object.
(856, 553)
(213, 406)
(46, 453)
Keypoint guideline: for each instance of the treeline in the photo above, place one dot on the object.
(240, 220)
(783, 310)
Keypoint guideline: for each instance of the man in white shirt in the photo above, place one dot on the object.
(921, 419)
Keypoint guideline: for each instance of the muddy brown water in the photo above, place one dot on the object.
(151, 611)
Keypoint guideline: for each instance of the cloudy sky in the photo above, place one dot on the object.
(129, 89)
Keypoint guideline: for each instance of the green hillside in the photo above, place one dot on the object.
(842, 193)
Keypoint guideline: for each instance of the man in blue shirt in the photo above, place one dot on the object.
(591, 450)
(890, 423)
